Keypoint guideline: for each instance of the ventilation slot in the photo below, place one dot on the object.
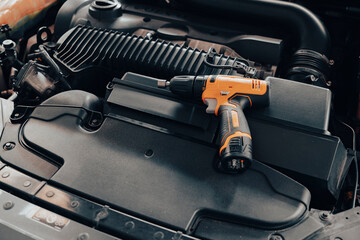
(86, 47)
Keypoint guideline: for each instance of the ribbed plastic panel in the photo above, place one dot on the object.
(84, 46)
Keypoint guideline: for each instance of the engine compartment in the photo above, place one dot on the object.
(88, 126)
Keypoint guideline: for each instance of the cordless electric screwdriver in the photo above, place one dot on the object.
(227, 97)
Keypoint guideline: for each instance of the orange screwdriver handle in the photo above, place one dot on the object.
(236, 143)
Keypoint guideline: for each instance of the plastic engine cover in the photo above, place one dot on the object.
(146, 171)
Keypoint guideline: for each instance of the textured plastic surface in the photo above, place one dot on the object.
(167, 184)
(18, 223)
(312, 104)
(235, 139)
(290, 134)
(83, 47)
(344, 225)
(186, 117)
(74, 12)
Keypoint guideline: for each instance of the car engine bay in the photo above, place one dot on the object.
(95, 135)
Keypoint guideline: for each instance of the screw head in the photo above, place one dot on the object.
(95, 122)
(129, 225)
(5, 174)
(74, 204)
(324, 216)
(27, 184)
(50, 194)
(158, 236)
(276, 236)
(83, 236)
(8, 205)
(8, 146)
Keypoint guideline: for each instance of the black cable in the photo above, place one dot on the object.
(356, 163)
(240, 64)
(52, 64)
(244, 63)
(217, 66)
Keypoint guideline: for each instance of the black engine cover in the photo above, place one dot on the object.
(152, 155)
(146, 171)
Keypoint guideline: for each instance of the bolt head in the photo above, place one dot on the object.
(276, 236)
(158, 236)
(74, 204)
(27, 184)
(50, 194)
(8, 146)
(324, 216)
(5, 174)
(8, 205)
(95, 122)
(83, 236)
(129, 225)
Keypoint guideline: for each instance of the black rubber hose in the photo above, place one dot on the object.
(310, 31)
(309, 63)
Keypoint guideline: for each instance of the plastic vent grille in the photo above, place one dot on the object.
(85, 47)
(256, 85)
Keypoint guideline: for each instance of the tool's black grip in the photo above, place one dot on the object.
(236, 144)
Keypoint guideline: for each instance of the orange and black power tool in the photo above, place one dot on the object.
(227, 97)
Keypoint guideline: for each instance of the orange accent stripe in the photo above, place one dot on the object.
(235, 118)
(236, 134)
